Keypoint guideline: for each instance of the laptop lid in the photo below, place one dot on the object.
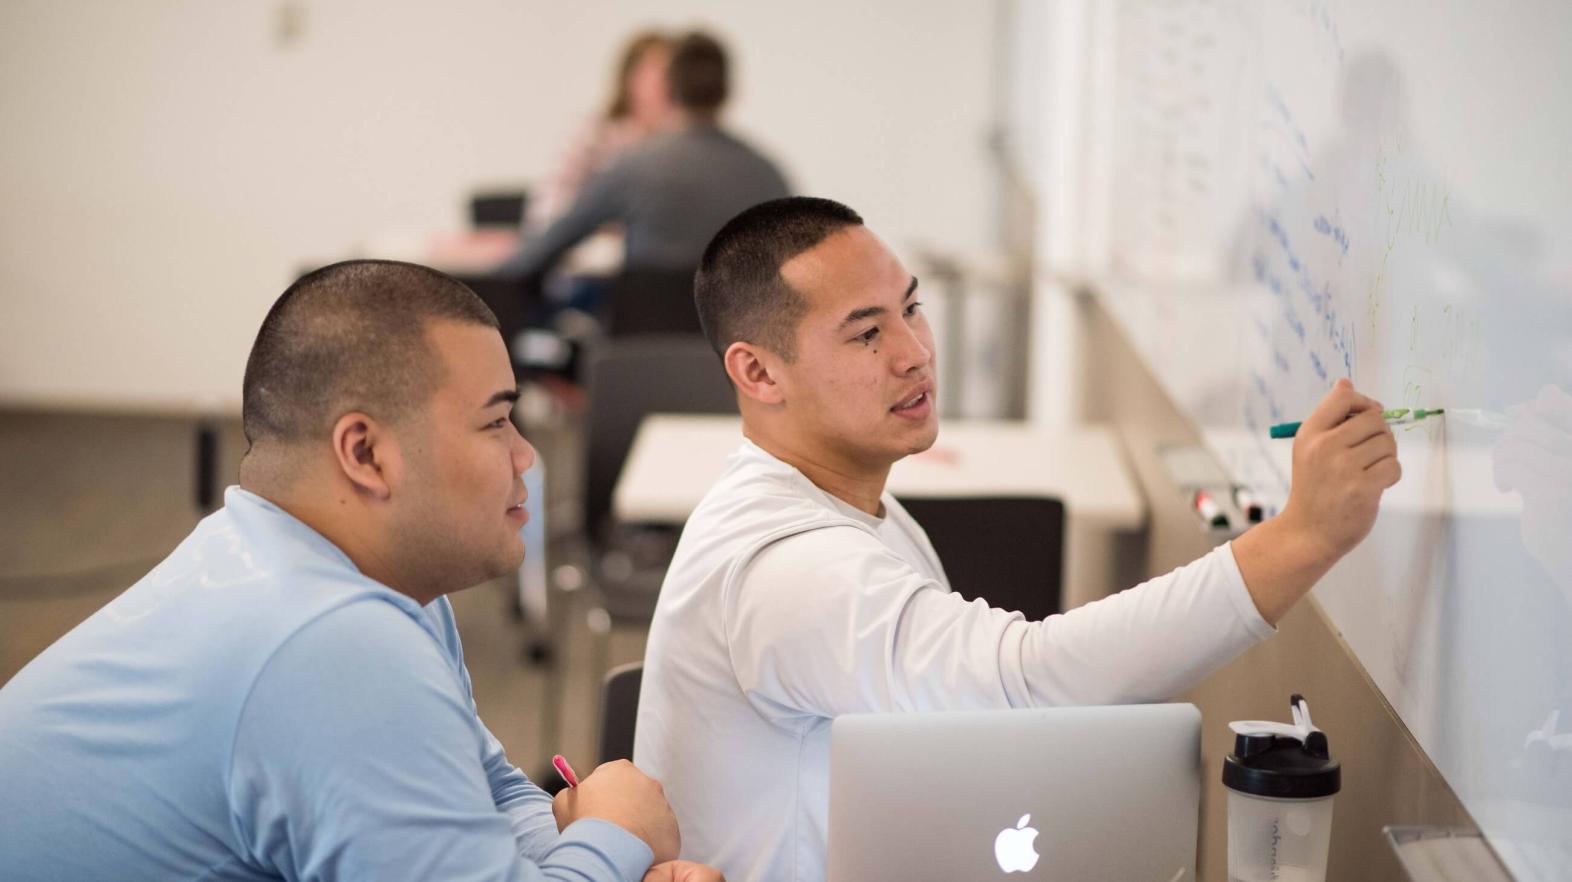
(1062, 794)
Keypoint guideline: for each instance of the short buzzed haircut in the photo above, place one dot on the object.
(739, 291)
(350, 336)
(698, 73)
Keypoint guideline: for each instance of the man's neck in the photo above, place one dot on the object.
(859, 486)
(331, 521)
(699, 119)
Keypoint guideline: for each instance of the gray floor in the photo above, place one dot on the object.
(89, 503)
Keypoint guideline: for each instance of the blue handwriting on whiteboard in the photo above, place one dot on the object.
(1327, 338)
(1320, 369)
(1327, 228)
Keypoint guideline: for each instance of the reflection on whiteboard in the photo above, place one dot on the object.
(1310, 190)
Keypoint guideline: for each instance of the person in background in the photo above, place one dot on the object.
(285, 695)
(640, 107)
(674, 190)
(802, 590)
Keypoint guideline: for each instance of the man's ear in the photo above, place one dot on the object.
(755, 371)
(366, 453)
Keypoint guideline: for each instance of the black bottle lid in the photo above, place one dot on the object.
(1282, 761)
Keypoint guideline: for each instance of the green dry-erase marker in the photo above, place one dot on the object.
(1288, 430)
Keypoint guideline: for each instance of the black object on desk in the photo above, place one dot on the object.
(498, 209)
(1009, 551)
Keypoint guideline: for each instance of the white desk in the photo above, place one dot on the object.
(675, 460)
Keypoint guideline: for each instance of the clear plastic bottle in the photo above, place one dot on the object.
(1281, 780)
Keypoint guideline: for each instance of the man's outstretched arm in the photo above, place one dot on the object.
(1344, 458)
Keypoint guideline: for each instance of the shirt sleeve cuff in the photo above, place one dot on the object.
(627, 853)
(1239, 594)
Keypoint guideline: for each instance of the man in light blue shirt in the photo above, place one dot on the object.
(285, 697)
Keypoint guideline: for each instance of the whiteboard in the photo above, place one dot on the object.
(1301, 191)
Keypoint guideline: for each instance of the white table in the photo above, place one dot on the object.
(675, 459)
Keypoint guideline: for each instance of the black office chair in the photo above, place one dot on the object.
(627, 380)
(650, 301)
(1007, 550)
(519, 303)
(508, 298)
(619, 711)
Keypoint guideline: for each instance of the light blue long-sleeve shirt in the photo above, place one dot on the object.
(256, 708)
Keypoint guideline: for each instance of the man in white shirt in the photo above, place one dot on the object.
(801, 590)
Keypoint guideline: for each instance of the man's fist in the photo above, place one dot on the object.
(620, 793)
(1344, 458)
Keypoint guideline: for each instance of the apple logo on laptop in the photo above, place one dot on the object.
(1013, 847)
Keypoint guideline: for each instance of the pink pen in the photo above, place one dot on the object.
(566, 771)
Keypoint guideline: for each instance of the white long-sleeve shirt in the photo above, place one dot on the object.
(784, 607)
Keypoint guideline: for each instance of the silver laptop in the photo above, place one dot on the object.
(1077, 793)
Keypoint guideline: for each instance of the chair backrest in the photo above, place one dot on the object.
(619, 710)
(630, 378)
(1007, 550)
(651, 301)
(508, 298)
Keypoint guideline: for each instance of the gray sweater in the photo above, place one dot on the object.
(671, 195)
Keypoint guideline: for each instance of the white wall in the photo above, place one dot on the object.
(166, 167)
